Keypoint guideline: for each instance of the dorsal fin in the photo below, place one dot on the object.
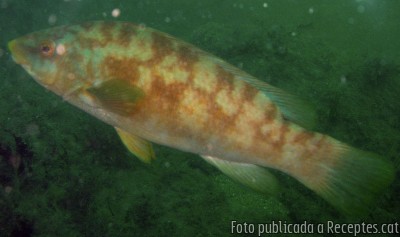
(292, 107)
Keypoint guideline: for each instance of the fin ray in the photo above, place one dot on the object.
(137, 146)
(118, 96)
(292, 107)
(352, 179)
(253, 176)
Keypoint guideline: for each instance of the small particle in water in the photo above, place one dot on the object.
(116, 12)
(1, 52)
(52, 19)
(104, 14)
(265, 5)
(361, 9)
(293, 33)
(311, 10)
(167, 19)
(4, 4)
(343, 79)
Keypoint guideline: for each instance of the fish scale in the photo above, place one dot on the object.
(197, 83)
(153, 87)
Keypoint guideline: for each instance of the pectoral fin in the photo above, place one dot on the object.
(118, 96)
(250, 175)
(138, 146)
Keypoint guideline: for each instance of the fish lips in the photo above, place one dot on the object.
(17, 52)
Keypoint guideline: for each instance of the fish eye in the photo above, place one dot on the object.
(47, 48)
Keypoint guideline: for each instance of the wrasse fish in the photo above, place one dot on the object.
(153, 87)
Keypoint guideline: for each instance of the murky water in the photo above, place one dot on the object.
(65, 173)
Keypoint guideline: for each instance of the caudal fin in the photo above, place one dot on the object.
(352, 179)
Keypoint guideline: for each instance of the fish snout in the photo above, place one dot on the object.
(17, 52)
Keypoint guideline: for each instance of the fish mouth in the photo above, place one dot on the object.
(17, 52)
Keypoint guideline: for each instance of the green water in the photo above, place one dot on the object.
(64, 173)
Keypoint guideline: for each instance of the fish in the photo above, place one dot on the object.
(154, 88)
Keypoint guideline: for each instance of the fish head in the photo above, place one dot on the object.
(51, 58)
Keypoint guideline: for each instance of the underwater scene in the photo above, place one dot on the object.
(164, 118)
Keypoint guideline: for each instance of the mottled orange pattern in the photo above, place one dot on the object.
(196, 102)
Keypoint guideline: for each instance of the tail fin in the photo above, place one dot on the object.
(351, 179)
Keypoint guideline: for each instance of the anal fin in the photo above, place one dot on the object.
(253, 176)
